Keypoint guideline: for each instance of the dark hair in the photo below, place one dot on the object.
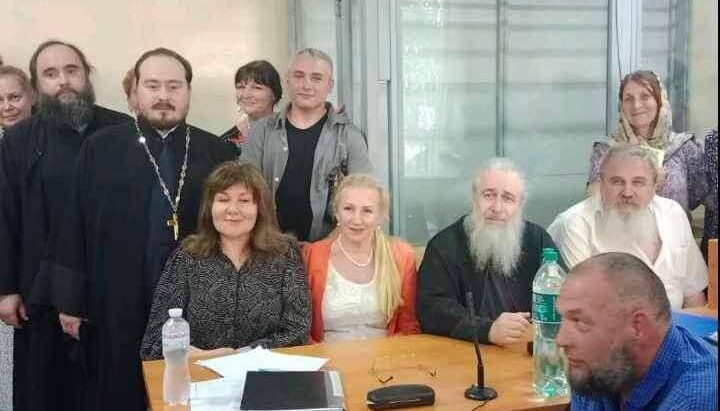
(261, 72)
(33, 60)
(161, 51)
(265, 238)
(630, 279)
(649, 80)
(20, 75)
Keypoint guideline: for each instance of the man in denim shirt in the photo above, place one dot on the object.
(623, 351)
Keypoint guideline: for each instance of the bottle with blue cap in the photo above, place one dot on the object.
(550, 379)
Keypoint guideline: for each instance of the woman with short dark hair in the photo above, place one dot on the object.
(257, 90)
(239, 280)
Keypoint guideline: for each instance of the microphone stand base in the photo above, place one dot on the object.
(480, 393)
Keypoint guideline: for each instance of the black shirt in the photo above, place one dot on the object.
(293, 194)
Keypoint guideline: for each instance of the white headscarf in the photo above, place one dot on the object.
(663, 124)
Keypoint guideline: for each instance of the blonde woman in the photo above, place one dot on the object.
(362, 282)
(16, 97)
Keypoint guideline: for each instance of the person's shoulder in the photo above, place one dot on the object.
(266, 123)
(317, 247)
(182, 255)
(668, 207)
(24, 132)
(576, 213)
(112, 135)
(601, 145)
(449, 237)
(230, 134)
(214, 143)
(695, 386)
(685, 145)
(106, 116)
(401, 246)
(13, 137)
(532, 228)
(199, 133)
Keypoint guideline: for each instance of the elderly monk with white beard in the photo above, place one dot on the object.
(627, 216)
(493, 253)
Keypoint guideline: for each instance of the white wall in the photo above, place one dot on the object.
(703, 94)
(216, 36)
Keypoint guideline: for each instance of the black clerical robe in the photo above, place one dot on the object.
(97, 265)
(448, 272)
(37, 159)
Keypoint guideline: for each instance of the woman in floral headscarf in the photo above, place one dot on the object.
(645, 119)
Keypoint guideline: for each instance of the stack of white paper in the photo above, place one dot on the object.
(222, 394)
(259, 359)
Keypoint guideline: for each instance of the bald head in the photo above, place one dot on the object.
(629, 280)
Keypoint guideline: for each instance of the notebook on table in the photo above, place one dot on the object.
(293, 390)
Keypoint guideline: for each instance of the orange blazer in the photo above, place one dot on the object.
(317, 260)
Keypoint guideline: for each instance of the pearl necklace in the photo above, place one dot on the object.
(352, 260)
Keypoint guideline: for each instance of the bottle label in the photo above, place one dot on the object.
(544, 309)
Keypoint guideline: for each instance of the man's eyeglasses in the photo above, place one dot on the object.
(384, 367)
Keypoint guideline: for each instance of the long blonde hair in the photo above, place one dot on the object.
(387, 276)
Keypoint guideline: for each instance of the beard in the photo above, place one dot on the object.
(495, 244)
(617, 373)
(74, 113)
(622, 230)
(167, 116)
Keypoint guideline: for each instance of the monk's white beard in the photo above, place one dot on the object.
(622, 231)
(495, 244)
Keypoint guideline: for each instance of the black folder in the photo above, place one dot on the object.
(293, 390)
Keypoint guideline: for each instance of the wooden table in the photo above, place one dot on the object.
(508, 370)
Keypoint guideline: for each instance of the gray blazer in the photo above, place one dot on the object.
(341, 147)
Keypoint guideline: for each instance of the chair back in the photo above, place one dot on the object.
(419, 253)
(712, 273)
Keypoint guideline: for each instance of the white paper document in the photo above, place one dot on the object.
(259, 359)
(222, 394)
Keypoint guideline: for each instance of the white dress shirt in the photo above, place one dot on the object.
(679, 263)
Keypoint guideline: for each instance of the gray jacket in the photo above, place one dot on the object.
(341, 146)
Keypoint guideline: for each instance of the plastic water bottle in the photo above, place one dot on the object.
(176, 343)
(550, 379)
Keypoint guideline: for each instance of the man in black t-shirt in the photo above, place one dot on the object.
(306, 147)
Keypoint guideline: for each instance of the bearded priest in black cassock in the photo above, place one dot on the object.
(37, 159)
(136, 193)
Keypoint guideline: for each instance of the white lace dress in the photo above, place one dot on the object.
(350, 310)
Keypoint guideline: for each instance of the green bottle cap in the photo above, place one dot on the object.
(550, 255)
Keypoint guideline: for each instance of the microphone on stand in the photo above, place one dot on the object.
(478, 391)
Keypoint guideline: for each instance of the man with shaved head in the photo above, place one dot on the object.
(623, 351)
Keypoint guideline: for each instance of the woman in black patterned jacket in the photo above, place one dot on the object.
(239, 280)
